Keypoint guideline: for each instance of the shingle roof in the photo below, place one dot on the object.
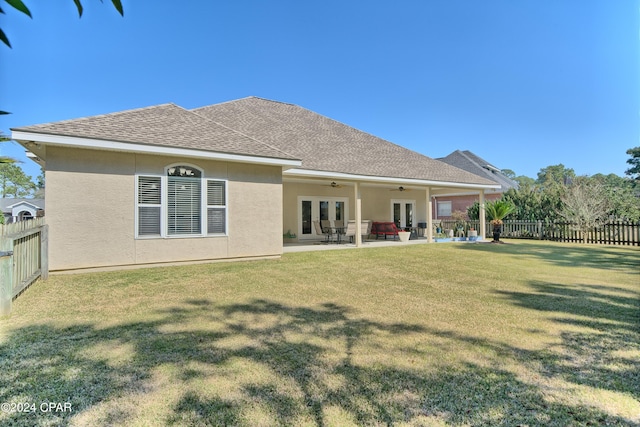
(260, 127)
(162, 125)
(470, 162)
(327, 145)
(6, 203)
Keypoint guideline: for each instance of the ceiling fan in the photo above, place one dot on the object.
(401, 188)
(334, 185)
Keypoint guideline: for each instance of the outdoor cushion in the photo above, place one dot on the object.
(384, 229)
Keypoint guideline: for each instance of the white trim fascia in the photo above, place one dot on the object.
(466, 193)
(23, 203)
(308, 173)
(99, 144)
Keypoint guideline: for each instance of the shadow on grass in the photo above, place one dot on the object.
(311, 355)
(603, 343)
(626, 258)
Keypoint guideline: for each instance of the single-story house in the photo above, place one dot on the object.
(18, 209)
(167, 184)
(446, 204)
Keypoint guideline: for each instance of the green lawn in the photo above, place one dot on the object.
(526, 333)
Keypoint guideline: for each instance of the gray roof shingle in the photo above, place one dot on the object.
(259, 127)
(327, 145)
(470, 162)
(162, 125)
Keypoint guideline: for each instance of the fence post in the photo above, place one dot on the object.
(6, 275)
(44, 252)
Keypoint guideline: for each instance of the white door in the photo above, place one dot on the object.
(313, 208)
(403, 212)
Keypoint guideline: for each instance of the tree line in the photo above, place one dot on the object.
(558, 194)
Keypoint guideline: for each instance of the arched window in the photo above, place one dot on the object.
(24, 215)
(180, 203)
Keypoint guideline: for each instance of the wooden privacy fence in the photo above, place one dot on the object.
(23, 258)
(610, 233)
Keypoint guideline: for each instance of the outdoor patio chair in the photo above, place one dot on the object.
(365, 228)
(320, 231)
(327, 228)
(339, 227)
(350, 231)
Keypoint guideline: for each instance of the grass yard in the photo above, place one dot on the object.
(521, 334)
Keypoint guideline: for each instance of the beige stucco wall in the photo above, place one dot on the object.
(91, 211)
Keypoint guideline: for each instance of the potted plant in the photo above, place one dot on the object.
(460, 224)
(404, 235)
(496, 211)
(472, 234)
(289, 237)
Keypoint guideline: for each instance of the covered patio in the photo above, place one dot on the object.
(344, 197)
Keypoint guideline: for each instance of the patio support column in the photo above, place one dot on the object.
(358, 199)
(483, 225)
(429, 215)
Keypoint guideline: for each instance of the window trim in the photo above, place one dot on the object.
(164, 205)
(443, 203)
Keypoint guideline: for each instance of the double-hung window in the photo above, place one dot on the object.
(444, 209)
(180, 203)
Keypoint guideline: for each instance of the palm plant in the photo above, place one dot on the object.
(496, 211)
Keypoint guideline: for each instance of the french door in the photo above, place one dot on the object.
(314, 208)
(403, 213)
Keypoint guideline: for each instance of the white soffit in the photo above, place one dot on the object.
(299, 173)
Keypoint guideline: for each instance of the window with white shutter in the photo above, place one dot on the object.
(216, 207)
(181, 203)
(149, 205)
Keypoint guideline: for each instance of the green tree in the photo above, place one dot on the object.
(524, 181)
(473, 211)
(14, 182)
(634, 161)
(20, 6)
(624, 200)
(520, 179)
(39, 192)
(508, 173)
(555, 175)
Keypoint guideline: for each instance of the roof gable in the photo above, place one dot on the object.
(470, 162)
(8, 204)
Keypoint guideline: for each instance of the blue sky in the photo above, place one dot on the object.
(524, 84)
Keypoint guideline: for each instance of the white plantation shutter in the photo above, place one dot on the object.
(216, 207)
(184, 201)
(149, 205)
(181, 203)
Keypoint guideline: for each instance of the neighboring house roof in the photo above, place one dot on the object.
(250, 127)
(7, 204)
(325, 144)
(470, 162)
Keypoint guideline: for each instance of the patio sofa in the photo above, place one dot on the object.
(384, 229)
